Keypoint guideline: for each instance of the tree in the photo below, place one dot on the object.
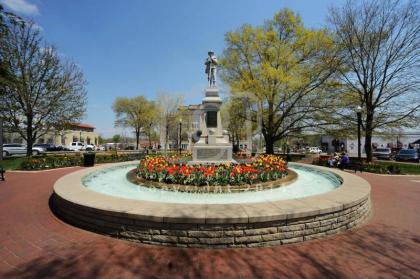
(379, 44)
(137, 113)
(284, 72)
(116, 138)
(42, 91)
(234, 120)
(169, 113)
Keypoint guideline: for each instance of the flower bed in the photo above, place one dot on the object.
(169, 170)
(51, 162)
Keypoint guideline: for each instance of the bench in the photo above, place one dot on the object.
(2, 171)
(356, 166)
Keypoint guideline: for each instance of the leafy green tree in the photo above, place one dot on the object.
(379, 44)
(116, 138)
(284, 71)
(137, 113)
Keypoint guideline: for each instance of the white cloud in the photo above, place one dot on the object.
(37, 27)
(21, 6)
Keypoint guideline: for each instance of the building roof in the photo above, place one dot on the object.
(190, 107)
(83, 125)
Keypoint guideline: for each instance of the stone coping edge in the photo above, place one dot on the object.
(353, 191)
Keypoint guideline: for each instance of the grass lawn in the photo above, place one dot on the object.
(406, 168)
(12, 163)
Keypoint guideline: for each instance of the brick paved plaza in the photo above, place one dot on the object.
(35, 244)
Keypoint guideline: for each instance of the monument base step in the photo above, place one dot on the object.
(207, 162)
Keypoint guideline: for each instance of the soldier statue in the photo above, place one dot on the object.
(211, 68)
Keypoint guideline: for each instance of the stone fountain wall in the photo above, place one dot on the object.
(216, 235)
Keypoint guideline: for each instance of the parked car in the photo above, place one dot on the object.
(383, 153)
(49, 146)
(80, 146)
(20, 149)
(314, 150)
(100, 148)
(411, 155)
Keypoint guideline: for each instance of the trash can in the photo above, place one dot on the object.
(89, 159)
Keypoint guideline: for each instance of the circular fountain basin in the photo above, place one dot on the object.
(100, 199)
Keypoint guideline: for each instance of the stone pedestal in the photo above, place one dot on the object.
(213, 147)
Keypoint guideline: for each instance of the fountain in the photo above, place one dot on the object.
(222, 205)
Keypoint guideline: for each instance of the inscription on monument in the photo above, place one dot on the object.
(212, 154)
(212, 119)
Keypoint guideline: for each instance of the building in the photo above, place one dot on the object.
(189, 117)
(405, 139)
(72, 132)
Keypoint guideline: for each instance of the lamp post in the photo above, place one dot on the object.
(150, 134)
(166, 137)
(359, 124)
(180, 135)
(1, 139)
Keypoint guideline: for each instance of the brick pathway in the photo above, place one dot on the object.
(35, 244)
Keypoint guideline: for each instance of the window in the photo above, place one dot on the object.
(195, 125)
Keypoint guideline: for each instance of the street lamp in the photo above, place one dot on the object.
(1, 139)
(180, 137)
(359, 124)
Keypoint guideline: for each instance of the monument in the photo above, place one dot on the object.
(211, 145)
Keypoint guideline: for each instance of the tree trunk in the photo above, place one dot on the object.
(29, 136)
(137, 139)
(368, 145)
(269, 145)
(150, 138)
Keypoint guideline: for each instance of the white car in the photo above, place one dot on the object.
(20, 149)
(80, 146)
(314, 150)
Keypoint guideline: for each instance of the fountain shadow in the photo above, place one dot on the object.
(372, 251)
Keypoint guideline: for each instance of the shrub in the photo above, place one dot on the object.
(51, 162)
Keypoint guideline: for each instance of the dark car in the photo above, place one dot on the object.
(411, 155)
(49, 146)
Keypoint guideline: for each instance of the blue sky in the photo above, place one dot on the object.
(139, 47)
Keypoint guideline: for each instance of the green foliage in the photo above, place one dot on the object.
(11, 163)
(379, 167)
(284, 71)
(137, 113)
(116, 138)
(51, 162)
